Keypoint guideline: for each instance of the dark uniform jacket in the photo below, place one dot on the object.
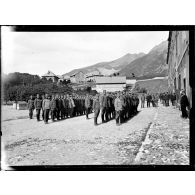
(103, 101)
(184, 101)
(38, 103)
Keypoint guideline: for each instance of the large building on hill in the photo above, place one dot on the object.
(110, 84)
(51, 76)
(78, 77)
(178, 63)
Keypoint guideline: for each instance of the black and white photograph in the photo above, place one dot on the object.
(95, 97)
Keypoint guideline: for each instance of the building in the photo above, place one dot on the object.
(178, 63)
(110, 84)
(78, 77)
(90, 77)
(130, 83)
(51, 76)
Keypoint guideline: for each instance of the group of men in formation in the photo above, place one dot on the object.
(119, 105)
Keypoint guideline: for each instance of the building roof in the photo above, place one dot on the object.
(49, 74)
(110, 80)
(130, 81)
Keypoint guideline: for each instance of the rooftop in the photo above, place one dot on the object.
(108, 80)
(49, 74)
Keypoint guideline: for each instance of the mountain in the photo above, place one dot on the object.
(107, 68)
(151, 65)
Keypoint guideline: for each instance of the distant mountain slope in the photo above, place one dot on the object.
(150, 65)
(107, 68)
(154, 85)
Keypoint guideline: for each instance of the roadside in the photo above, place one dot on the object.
(167, 141)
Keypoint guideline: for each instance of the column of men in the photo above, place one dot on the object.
(119, 105)
(59, 106)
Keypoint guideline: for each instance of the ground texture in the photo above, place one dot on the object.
(153, 136)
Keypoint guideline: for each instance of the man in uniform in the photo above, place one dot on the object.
(184, 103)
(46, 108)
(71, 105)
(38, 106)
(43, 97)
(53, 108)
(142, 100)
(65, 103)
(118, 108)
(60, 107)
(31, 107)
(96, 108)
(103, 106)
(87, 105)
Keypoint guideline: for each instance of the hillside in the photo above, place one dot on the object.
(107, 68)
(150, 65)
(154, 85)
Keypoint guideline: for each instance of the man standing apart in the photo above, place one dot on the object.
(46, 108)
(31, 106)
(38, 106)
(184, 103)
(87, 106)
(103, 106)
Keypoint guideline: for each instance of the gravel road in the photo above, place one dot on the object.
(73, 141)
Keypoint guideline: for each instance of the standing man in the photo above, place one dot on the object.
(184, 103)
(46, 108)
(96, 108)
(173, 99)
(53, 108)
(142, 100)
(118, 108)
(65, 102)
(43, 97)
(60, 105)
(71, 105)
(38, 106)
(103, 106)
(31, 107)
(87, 106)
(148, 100)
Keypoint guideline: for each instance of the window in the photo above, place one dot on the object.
(179, 82)
(175, 84)
(184, 84)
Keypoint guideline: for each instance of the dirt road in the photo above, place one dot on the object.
(74, 141)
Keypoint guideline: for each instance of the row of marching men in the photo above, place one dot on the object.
(119, 105)
(58, 106)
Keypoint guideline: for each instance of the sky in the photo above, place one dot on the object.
(61, 52)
